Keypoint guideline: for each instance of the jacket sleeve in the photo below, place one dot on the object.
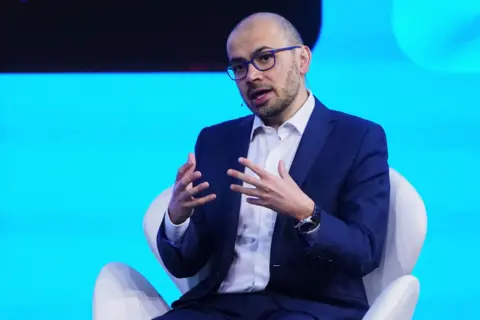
(354, 238)
(186, 257)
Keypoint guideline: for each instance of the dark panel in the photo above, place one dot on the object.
(135, 35)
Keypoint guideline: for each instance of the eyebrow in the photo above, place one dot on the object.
(262, 48)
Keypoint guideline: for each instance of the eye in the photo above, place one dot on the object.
(265, 57)
(237, 68)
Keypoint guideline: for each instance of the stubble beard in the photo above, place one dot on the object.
(275, 109)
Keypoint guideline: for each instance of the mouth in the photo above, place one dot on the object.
(259, 96)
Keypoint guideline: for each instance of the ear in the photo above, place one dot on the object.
(305, 58)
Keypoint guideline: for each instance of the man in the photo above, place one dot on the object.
(288, 206)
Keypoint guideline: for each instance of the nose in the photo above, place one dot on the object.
(253, 74)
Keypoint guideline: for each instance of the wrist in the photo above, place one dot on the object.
(307, 210)
(311, 223)
(176, 219)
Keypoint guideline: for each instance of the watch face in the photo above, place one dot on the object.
(306, 227)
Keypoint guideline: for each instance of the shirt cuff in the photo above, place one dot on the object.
(175, 232)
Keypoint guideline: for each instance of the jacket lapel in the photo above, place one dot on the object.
(313, 139)
(316, 133)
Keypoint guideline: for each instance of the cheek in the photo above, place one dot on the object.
(275, 76)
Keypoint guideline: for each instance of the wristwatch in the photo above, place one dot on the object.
(311, 223)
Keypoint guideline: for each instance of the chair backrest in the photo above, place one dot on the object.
(407, 228)
(151, 222)
(406, 234)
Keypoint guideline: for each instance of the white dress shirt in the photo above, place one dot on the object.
(250, 269)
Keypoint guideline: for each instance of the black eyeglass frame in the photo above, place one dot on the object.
(251, 61)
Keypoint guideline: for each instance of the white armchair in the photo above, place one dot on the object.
(122, 293)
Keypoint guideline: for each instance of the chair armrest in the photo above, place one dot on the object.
(397, 301)
(122, 293)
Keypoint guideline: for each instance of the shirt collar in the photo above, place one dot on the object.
(299, 120)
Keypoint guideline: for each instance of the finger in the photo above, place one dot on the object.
(254, 192)
(187, 194)
(192, 159)
(187, 179)
(282, 170)
(252, 166)
(246, 178)
(257, 201)
(181, 171)
(199, 201)
(190, 164)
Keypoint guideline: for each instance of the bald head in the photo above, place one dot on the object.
(268, 61)
(268, 19)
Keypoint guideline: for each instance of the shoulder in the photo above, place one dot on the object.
(346, 123)
(225, 129)
(351, 133)
(362, 141)
(353, 130)
(355, 124)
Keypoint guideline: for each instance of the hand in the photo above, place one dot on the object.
(281, 194)
(182, 202)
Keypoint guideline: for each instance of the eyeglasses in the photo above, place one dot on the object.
(262, 61)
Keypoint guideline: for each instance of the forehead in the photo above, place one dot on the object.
(248, 38)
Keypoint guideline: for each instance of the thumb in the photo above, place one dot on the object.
(282, 170)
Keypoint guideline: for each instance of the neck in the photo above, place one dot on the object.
(290, 111)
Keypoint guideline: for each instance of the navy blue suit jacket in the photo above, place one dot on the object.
(341, 163)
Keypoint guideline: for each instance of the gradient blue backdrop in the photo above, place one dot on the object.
(82, 155)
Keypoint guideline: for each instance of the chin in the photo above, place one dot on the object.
(269, 112)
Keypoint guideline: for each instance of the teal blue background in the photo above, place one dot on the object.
(83, 155)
